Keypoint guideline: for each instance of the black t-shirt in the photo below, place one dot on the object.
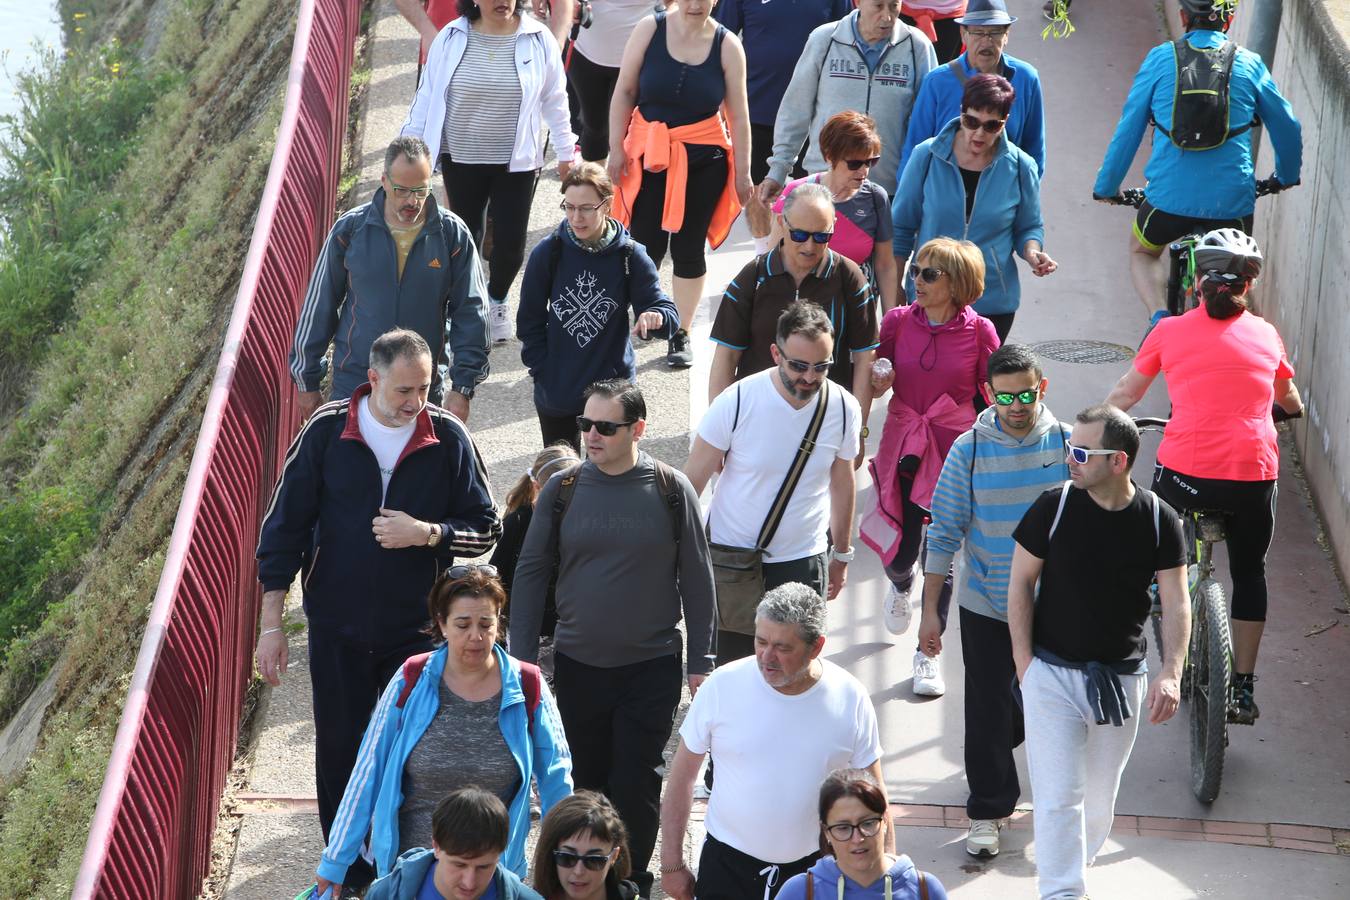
(971, 179)
(1093, 598)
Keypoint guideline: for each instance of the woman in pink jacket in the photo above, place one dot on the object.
(939, 351)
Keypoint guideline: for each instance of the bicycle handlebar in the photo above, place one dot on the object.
(1135, 196)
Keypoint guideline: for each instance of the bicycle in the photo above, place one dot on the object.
(1207, 671)
(1179, 295)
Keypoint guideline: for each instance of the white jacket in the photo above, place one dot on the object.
(543, 93)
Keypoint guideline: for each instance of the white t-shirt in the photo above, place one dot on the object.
(612, 21)
(386, 443)
(772, 751)
(768, 433)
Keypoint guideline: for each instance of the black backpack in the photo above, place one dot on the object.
(1200, 107)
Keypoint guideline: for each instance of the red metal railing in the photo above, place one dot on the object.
(152, 830)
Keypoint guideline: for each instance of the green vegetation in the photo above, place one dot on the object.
(146, 175)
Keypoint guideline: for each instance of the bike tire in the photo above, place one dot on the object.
(1211, 673)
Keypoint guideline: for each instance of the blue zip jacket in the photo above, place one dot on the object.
(1202, 184)
(931, 202)
(355, 295)
(322, 506)
(939, 102)
(988, 481)
(573, 322)
(411, 869)
(375, 790)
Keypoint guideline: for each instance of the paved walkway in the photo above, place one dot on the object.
(1286, 789)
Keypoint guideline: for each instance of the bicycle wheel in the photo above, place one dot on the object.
(1211, 671)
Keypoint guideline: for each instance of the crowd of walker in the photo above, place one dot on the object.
(453, 701)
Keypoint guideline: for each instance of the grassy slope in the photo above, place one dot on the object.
(113, 410)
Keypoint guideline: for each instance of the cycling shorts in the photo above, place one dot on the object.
(1156, 229)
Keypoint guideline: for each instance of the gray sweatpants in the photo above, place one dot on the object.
(1075, 766)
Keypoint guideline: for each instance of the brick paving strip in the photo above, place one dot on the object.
(1312, 838)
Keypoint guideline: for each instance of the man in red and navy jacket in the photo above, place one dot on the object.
(378, 495)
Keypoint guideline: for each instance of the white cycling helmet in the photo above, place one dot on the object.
(1230, 251)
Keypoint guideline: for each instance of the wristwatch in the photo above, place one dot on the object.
(844, 556)
(434, 537)
(865, 432)
(465, 392)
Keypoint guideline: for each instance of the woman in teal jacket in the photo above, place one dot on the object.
(971, 183)
(465, 672)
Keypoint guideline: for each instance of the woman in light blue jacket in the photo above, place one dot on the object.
(971, 183)
(465, 714)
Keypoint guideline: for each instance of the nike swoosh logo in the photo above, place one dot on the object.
(1049, 464)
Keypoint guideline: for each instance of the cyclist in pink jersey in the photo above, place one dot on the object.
(1228, 378)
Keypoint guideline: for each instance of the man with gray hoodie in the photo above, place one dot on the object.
(992, 475)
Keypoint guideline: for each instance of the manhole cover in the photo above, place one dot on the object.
(1085, 352)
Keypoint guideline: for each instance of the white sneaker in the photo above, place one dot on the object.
(928, 677)
(897, 612)
(499, 317)
(982, 839)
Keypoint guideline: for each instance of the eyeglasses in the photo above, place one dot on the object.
(605, 428)
(1006, 398)
(586, 209)
(800, 236)
(856, 164)
(929, 274)
(990, 126)
(843, 831)
(990, 35)
(566, 859)
(464, 569)
(801, 368)
(1081, 455)
(403, 193)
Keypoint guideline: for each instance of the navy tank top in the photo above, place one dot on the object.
(675, 93)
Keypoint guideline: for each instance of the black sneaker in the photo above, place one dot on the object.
(1242, 708)
(679, 355)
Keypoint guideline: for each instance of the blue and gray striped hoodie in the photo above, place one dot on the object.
(988, 481)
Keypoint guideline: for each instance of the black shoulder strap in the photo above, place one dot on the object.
(669, 486)
(566, 488)
(794, 473)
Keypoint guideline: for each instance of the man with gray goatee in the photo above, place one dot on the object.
(775, 725)
(398, 261)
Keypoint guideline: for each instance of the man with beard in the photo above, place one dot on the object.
(398, 261)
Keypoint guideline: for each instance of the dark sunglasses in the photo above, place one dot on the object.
(929, 274)
(799, 236)
(801, 368)
(605, 428)
(464, 569)
(566, 859)
(1003, 398)
(1081, 455)
(990, 126)
(856, 164)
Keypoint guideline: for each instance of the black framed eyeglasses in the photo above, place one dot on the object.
(1081, 455)
(928, 274)
(801, 368)
(856, 164)
(973, 123)
(1006, 398)
(403, 193)
(566, 859)
(843, 831)
(464, 569)
(585, 209)
(608, 429)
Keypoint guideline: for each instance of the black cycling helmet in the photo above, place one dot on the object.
(1228, 251)
(1217, 10)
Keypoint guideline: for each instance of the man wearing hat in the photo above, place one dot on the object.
(984, 28)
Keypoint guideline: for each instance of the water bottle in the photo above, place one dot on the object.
(881, 368)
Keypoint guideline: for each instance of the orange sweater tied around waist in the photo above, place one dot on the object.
(655, 147)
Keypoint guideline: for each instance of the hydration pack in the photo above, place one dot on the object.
(1200, 108)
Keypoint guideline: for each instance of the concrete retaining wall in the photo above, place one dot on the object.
(1305, 234)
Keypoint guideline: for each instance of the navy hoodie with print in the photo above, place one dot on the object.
(573, 320)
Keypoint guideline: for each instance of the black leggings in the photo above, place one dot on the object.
(706, 180)
(556, 429)
(594, 85)
(1248, 509)
(473, 190)
(948, 43)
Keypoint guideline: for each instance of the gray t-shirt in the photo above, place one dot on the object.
(462, 746)
(622, 581)
(482, 101)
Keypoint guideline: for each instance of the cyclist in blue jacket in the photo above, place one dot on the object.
(1195, 190)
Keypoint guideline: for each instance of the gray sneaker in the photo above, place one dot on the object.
(679, 354)
(982, 839)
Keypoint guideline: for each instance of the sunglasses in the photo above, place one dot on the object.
(1081, 455)
(990, 126)
(1004, 398)
(464, 569)
(856, 164)
(843, 831)
(607, 429)
(800, 237)
(929, 274)
(801, 368)
(566, 859)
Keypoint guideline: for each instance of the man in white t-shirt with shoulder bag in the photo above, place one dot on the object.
(776, 725)
(758, 434)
